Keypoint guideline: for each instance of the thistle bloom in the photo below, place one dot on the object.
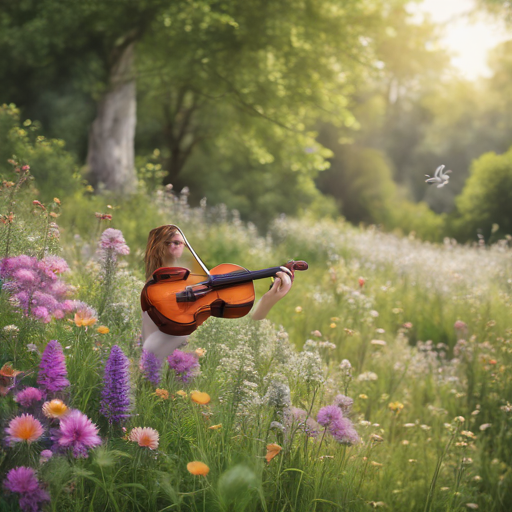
(28, 396)
(198, 468)
(150, 367)
(23, 481)
(24, 428)
(343, 431)
(78, 432)
(52, 369)
(145, 437)
(183, 363)
(55, 409)
(328, 414)
(115, 402)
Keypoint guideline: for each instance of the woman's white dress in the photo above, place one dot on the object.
(156, 341)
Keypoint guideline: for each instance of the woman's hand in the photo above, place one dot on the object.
(280, 288)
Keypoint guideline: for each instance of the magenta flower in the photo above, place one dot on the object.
(343, 431)
(112, 239)
(28, 396)
(183, 363)
(52, 369)
(77, 432)
(53, 264)
(328, 414)
(150, 367)
(115, 397)
(22, 480)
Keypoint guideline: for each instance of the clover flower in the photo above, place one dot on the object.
(22, 480)
(115, 401)
(183, 363)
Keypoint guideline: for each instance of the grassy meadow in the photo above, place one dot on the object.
(417, 334)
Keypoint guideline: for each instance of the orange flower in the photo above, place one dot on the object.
(181, 393)
(103, 329)
(145, 437)
(198, 468)
(272, 450)
(24, 428)
(215, 427)
(55, 409)
(8, 371)
(200, 398)
(162, 393)
(84, 319)
(200, 352)
(333, 325)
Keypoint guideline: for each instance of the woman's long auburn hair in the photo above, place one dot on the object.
(156, 249)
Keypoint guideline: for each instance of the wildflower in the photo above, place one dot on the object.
(28, 396)
(24, 428)
(409, 425)
(278, 395)
(182, 393)
(332, 325)
(78, 432)
(215, 427)
(45, 456)
(55, 409)
(459, 419)
(52, 375)
(472, 506)
(343, 431)
(376, 464)
(183, 363)
(344, 403)
(396, 406)
(326, 415)
(468, 433)
(273, 449)
(376, 438)
(361, 282)
(103, 329)
(298, 309)
(113, 240)
(199, 352)
(198, 468)
(374, 313)
(145, 437)
(162, 393)
(335, 318)
(485, 426)
(316, 333)
(407, 325)
(115, 400)
(23, 481)
(31, 347)
(379, 343)
(459, 325)
(362, 396)
(150, 367)
(85, 316)
(367, 376)
(200, 398)
(405, 442)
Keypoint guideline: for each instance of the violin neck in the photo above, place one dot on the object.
(242, 276)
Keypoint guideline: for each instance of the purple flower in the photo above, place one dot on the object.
(150, 367)
(52, 369)
(45, 456)
(53, 264)
(183, 363)
(23, 481)
(344, 403)
(78, 432)
(115, 399)
(28, 396)
(328, 414)
(113, 239)
(343, 431)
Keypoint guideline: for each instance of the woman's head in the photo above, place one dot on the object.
(164, 248)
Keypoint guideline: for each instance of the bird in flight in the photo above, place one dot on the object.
(440, 177)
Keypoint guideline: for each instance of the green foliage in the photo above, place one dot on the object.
(485, 202)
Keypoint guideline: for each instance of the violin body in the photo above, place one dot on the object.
(178, 301)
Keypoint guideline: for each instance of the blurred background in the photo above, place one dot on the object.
(328, 108)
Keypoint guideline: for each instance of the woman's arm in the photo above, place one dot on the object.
(280, 288)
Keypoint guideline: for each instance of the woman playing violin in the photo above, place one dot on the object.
(164, 249)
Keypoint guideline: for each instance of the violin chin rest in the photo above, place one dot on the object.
(170, 274)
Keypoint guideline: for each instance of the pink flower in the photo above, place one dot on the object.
(54, 264)
(23, 481)
(113, 239)
(328, 414)
(28, 396)
(78, 432)
(459, 325)
(145, 437)
(24, 428)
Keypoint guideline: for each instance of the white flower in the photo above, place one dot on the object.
(366, 376)
(440, 177)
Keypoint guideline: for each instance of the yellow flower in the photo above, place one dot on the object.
(198, 468)
(181, 393)
(103, 329)
(376, 464)
(396, 406)
(335, 319)
(362, 396)
(55, 409)
(298, 309)
(162, 393)
(84, 319)
(333, 326)
(200, 398)
(215, 427)
(200, 352)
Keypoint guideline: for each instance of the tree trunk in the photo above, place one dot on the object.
(111, 152)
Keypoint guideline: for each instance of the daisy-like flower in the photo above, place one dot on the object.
(85, 317)
(55, 409)
(440, 177)
(200, 398)
(28, 396)
(145, 436)
(78, 432)
(198, 468)
(22, 480)
(24, 428)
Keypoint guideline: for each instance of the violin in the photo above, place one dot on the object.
(179, 301)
